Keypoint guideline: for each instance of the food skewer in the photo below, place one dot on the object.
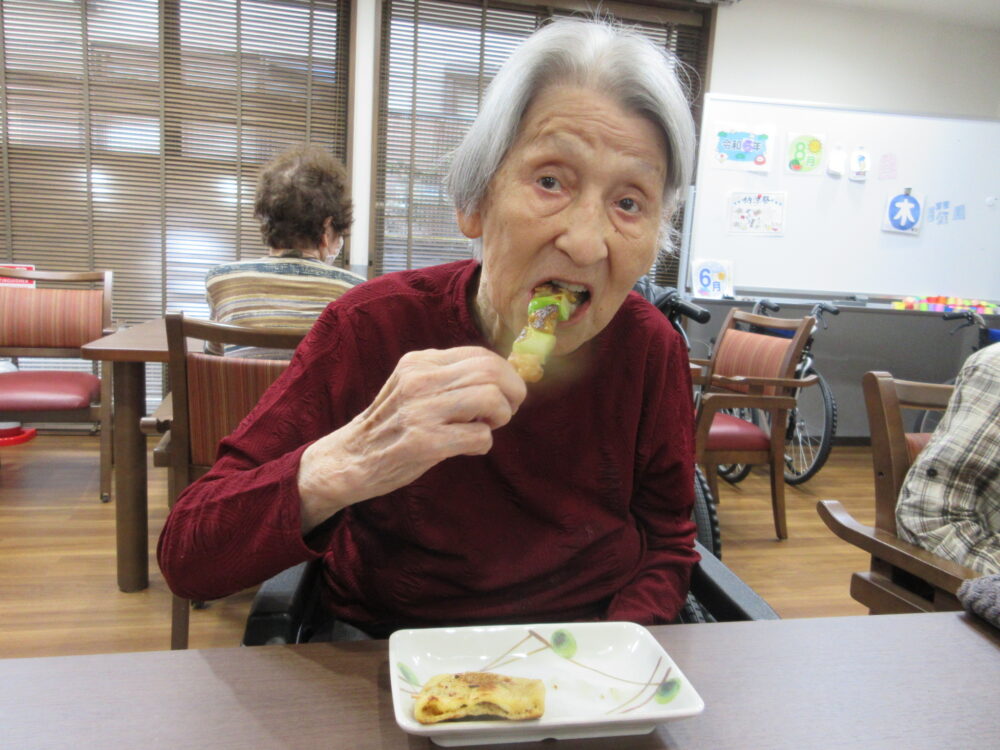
(549, 304)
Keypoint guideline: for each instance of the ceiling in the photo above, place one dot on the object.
(980, 13)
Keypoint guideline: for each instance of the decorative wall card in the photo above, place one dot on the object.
(757, 213)
(805, 153)
(712, 278)
(745, 149)
(903, 213)
(861, 162)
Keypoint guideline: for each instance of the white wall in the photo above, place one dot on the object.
(858, 57)
(366, 31)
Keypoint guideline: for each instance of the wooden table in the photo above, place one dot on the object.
(894, 682)
(129, 350)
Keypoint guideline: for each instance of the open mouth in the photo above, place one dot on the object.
(555, 302)
(575, 294)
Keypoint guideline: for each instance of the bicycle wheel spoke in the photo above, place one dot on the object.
(810, 432)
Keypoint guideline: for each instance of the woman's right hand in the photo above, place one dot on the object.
(435, 405)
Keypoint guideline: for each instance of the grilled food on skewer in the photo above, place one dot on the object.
(549, 304)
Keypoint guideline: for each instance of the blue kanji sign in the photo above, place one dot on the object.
(903, 213)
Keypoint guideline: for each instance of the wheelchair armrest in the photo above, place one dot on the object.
(724, 594)
(281, 606)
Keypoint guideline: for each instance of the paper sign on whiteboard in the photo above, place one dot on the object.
(904, 213)
(712, 278)
(746, 149)
(756, 213)
(804, 154)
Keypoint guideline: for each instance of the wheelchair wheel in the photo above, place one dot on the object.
(693, 612)
(809, 435)
(706, 516)
(734, 473)
(707, 520)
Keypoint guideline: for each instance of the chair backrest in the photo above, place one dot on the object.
(213, 394)
(894, 449)
(54, 321)
(746, 352)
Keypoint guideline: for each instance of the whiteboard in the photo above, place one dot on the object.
(829, 236)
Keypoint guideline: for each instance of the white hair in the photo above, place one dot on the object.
(596, 54)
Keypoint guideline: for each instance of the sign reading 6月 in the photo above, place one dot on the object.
(712, 279)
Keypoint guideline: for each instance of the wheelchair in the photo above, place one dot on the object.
(287, 607)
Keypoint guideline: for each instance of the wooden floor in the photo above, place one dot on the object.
(57, 566)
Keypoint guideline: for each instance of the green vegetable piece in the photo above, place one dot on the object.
(407, 674)
(667, 690)
(559, 300)
(534, 342)
(564, 644)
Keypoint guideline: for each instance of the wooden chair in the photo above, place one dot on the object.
(903, 577)
(210, 397)
(750, 370)
(71, 310)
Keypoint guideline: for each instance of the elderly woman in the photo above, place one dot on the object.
(304, 209)
(402, 448)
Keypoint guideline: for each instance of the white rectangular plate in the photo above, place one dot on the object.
(602, 679)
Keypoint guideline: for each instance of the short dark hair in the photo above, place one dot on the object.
(296, 191)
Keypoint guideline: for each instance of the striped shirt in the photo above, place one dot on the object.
(273, 292)
(950, 501)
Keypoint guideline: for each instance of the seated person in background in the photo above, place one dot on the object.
(304, 210)
(950, 501)
(402, 448)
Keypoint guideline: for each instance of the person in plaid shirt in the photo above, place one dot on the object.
(950, 501)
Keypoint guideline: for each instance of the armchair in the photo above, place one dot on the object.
(752, 371)
(210, 397)
(72, 309)
(903, 577)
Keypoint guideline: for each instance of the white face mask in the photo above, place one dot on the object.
(331, 258)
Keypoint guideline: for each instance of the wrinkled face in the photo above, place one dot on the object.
(577, 200)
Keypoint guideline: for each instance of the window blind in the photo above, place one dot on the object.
(132, 132)
(437, 58)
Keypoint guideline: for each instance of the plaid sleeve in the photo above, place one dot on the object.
(950, 501)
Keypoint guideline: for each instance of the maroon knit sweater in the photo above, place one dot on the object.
(581, 510)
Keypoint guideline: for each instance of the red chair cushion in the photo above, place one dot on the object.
(729, 433)
(48, 390)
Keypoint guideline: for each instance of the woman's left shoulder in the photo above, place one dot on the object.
(639, 319)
